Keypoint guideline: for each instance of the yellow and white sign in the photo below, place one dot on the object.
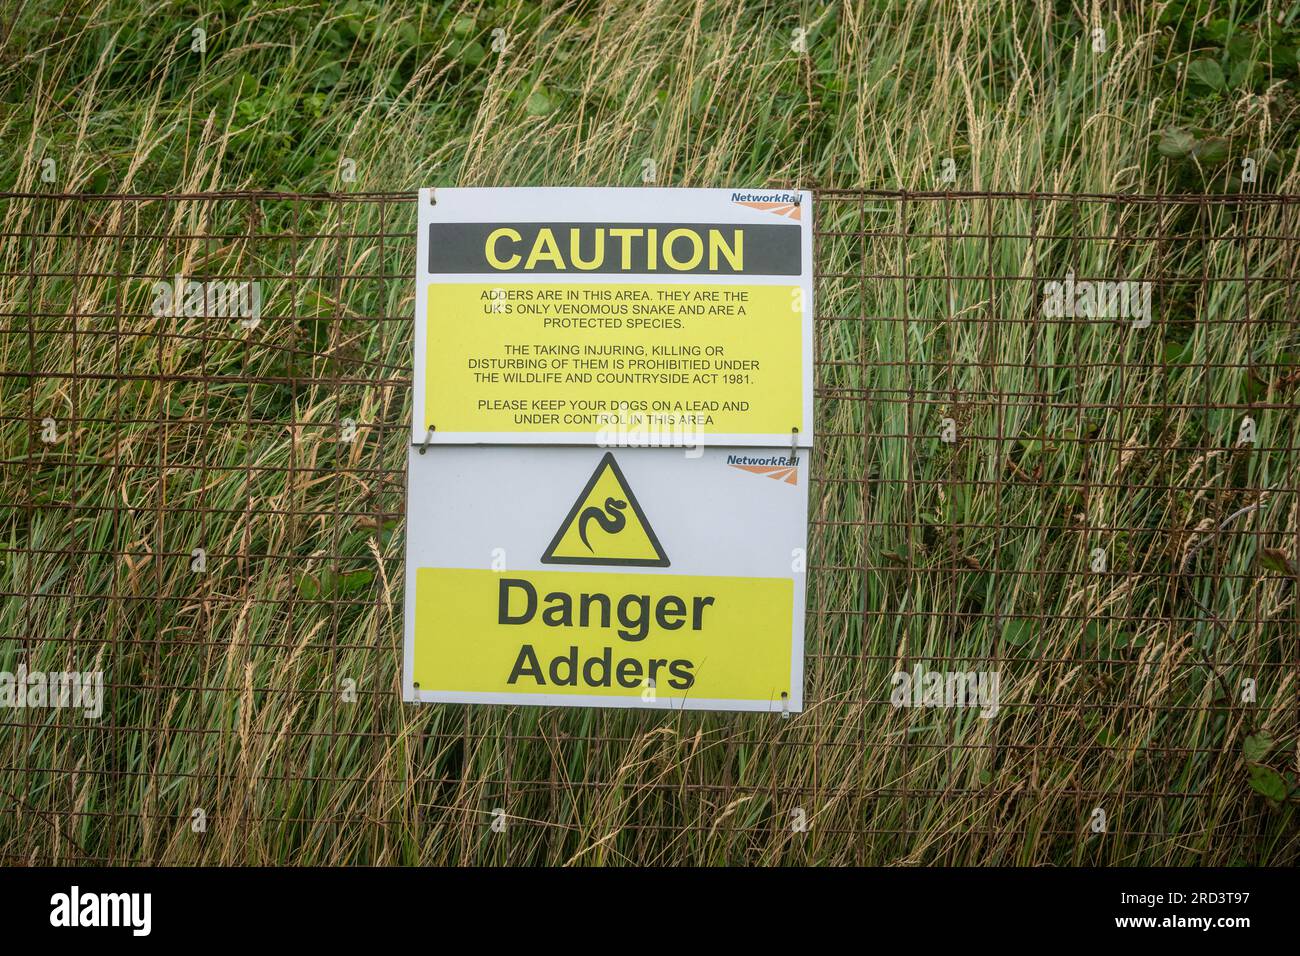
(630, 577)
(614, 317)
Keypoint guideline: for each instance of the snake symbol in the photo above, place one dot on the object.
(611, 520)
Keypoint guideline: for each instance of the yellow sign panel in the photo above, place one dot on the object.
(603, 358)
(606, 525)
(602, 634)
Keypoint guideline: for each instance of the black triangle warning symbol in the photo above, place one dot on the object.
(606, 525)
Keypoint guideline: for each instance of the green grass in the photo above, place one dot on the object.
(1121, 690)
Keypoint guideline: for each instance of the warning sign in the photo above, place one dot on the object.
(606, 526)
(575, 576)
(608, 478)
(617, 317)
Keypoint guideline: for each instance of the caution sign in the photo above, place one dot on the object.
(636, 577)
(614, 317)
(606, 526)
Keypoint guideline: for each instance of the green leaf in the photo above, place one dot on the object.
(1207, 73)
(407, 34)
(329, 584)
(539, 104)
(241, 84)
(308, 587)
(1256, 747)
(1241, 72)
(1253, 388)
(1281, 56)
(1018, 632)
(1266, 159)
(463, 26)
(1268, 781)
(1241, 46)
(1211, 152)
(355, 581)
(471, 54)
(1218, 30)
(1275, 559)
(329, 76)
(1176, 143)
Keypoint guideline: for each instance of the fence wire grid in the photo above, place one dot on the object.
(1095, 502)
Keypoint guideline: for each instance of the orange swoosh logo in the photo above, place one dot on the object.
(787, 473)
(787, 209)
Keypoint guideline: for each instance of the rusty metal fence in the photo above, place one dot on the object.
(1057, 447)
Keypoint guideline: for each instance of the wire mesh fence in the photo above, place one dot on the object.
(1056, 452)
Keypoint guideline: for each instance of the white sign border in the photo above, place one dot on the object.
(633, 701)
(532, 204)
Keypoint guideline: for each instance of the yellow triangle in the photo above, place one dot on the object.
(606, 525)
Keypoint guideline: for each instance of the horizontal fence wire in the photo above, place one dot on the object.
(1056, 446)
